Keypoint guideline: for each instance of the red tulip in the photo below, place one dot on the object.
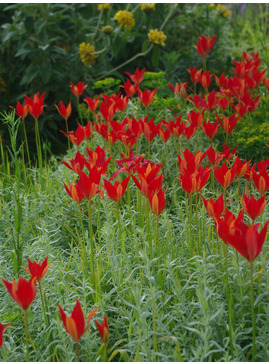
(157, 202)
(36, 104)
(240, 167)
(97, 158)
(37, 270)
(213, 157)
(23, 292)
(150, 130)
(164, 134)
(64, 111)
(77, 89)
(117, 191)
(227, 225)
(261, 181)
(214, 208)
(129, 88)
(247, 240)
(196, 181)
(103, 330)
(137, 77)
(77, 163)
(205, 79)
(21, 111)
(210, 129)
(92, 103)
(75, 324)
(146, 96)
(228, 124)
(2, 329)
(224, 176)
(254, 208)
(180, 89)
(81, 133)
(195, 74)
(88, 186)
(74, 192)
(108, 111)
(204, 45)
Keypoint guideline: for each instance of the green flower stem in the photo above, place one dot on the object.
(148, 229)
(39, 153)
(167, 161)
(120, 230)
(254, 350)
(77, 351)
(229, 300)
(26, 143)
(43, 304)
(67, 132)
(83, 244)
(26, 335)
(80, 117)
(91, 239)
(197, 222)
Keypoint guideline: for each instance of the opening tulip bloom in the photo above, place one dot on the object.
(22, 292)
(117, 191)
(254, 208)
(35, 105)
(204, 45)
(77, 89)
(64, 111)
(37, 270)
(103, 330)
(2, 329)
(146, 96)
(214, 208)
(75, 324)
(21, 111)
(157, 202)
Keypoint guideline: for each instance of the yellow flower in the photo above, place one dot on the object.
(220, 7)
(103, 6)
(147, 7)
(125, 19)
(107, 29)
(86, 52)
(211, 5)
(157, 37)
(227, 13)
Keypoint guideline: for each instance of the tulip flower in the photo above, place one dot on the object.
(261, 181)
(194, 74)
(129, 88)
(137, 77)
(21, 111)
(146, 96)
(205, 79)
(226, 225)
(77, 163)
(74, 192)
(107, 111)
(180, 89)
(88, 185)
(213, 157)
(228, 124)
(2, 329)
(254, 208)
(210, 129)
(157, 202)
(117, 191)
(224, 176)
(227, 153)
(92, 103)
(214, 208)
(75, 324)
(22, 292)
(97, 158)
(77, 89)
(204, 45)
(150, 130)
(81, 133)
(64, 111)
(37, 270)
(164, 134)
(196, 181)
(35, 105)
(103, 330)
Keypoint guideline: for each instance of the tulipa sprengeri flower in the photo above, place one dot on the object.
(37, 270)
(103, 330)
(254, 208)
(204, 45)
(75, 324)
(2, 329)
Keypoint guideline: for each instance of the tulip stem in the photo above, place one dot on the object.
(229, 299)
(26, 335)
(43, 304)
(91, 239)
(39, 152)
(83, 245)
(26, 142)
(197, 222)
(80, 117)
(120, 229)
(253, 313)
(77, 351)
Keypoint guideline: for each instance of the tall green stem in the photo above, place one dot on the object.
(26, 335)
(229, 298)
(253, 313)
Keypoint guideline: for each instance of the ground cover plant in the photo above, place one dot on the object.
(152, 224)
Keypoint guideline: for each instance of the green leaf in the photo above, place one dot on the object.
(155, 56)
(45, 71)
(10, 35)
(145, 46)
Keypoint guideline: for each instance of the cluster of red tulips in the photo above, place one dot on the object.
(212, 110)
(24, 292)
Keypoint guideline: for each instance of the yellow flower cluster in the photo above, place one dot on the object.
(225, 12)
(148, 7)
(107, 29)
(86, 52)
(103, 6)
(157, 37)
(125, 19)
